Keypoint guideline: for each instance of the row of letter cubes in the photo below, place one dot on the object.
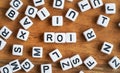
(66, 64)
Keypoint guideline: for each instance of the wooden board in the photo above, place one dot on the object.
(85, 21)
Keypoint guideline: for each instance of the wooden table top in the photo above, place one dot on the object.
(84, 21)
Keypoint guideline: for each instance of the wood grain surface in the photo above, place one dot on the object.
(85, 21)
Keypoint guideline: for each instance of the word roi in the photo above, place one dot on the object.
(51, 37)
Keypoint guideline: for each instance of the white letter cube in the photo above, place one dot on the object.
(27, 65)
(103, 21)
(38, 2)
(12, 13)
(76, 60)
(60, 38)
(43, 13)
(6, 69)
(17, 50)
(114, 62)
(26, 22)
(90, 62)
(96, 3)
(17, 4)
(59, 4)
(89, 34)
(107, 48)
(84, 5)
(37, 52)
(72, 14)
(110, 8)
(65, 64)
(71, 37)
(46, 68)
(49, 37)
(15, 65)
(55, 55)
(31, 11)
(2, 43)
(57, 20)
(23, 34)
(5, 32)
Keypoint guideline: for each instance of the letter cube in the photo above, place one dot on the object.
(49, 37)
(26, 22)
(5, 32)
(37, 52)
(110, 8)
(114, 62)
(60, 38)
(55, 55)
(103, 21)
(43, 13)
(17, 50)
(12, 13)
(6, 69)
(59, 4)
(15, 65)
(84, 5)
(31, 11)
(65, 64)
(23, 34)
(27, 65)
(76, 60)
(107, 48)
(72, 14)
(38, 2)
(89, 34)
(57, 20)
(46, 68)
(71, 37)
(16, 4)
(90, 62)
(96, 3)
(2, 43)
